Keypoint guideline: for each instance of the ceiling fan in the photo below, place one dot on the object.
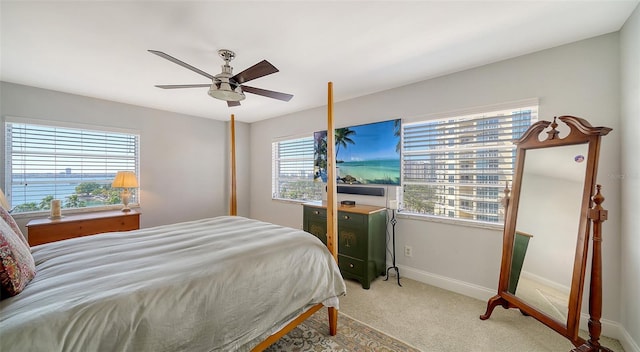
(226, 86)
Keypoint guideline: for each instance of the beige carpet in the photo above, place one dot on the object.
(433, 319)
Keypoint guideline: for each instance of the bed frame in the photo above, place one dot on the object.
(332, 224)
(16, 336)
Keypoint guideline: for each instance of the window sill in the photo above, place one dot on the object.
(291, 201)
(40, 214)
(427, 218)
(456, 222)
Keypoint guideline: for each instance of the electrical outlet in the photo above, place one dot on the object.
(408, 251)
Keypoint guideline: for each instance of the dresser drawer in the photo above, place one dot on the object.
(351, 265)
(316, 212)
(344, 218)
(352, 241)
(46, 230)
(315, 222)
(351, 219)
(317, 228)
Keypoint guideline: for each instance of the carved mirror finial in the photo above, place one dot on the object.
(553, 133)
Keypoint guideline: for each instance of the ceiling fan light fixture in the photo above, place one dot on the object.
(224, 91)
(225, 85)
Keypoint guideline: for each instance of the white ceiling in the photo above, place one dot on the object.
(99, 48)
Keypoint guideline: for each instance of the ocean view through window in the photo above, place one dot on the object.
(46, 161)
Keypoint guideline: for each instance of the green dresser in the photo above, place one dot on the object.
(361, 238)
(520, 244)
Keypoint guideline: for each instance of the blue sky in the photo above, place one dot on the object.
(372, 141)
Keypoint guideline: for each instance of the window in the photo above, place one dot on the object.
(292, 170)
(75, 165)
(462, 163)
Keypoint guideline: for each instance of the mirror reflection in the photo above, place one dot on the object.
(547, 227)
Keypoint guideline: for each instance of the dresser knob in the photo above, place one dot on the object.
(346, 217)
(316, 212)
(351, 265)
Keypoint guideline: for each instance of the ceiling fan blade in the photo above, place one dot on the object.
(258, 70)
(174, 86)
(181, 63)
(267, 93)
(233, 103)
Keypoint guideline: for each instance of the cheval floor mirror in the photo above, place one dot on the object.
(555, 200)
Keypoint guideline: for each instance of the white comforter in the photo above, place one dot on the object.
(219, 284)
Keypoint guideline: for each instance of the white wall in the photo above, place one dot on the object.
(630, 127)
(549, 210)
(580, 79)
(183, 159)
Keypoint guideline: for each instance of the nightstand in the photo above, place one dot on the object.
(76, 225)
(361, 238)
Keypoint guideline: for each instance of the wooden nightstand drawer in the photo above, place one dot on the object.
(76, 225)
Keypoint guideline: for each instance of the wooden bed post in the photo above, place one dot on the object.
(332, 211)
(233, 206)
(332, 231)
(332, 226)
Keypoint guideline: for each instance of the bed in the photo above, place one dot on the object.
(227, 283)
(219, 284)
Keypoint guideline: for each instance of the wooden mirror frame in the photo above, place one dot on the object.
(580, 132)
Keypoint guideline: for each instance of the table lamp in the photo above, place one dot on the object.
(125, 180)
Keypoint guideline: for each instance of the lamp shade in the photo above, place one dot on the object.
(125, 179)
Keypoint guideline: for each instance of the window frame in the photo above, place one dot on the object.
(480, 220)
(276, 162)
(89, 128)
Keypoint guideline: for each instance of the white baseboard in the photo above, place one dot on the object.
(457, 286)
(627, 341)
(609, 328)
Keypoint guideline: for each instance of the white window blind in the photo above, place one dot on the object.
(458, 167)
(292, 170)
(77, 166)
